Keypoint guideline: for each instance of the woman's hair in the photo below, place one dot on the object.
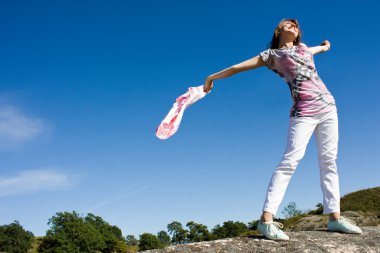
(276, 35)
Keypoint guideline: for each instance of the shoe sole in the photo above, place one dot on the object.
(356, 233)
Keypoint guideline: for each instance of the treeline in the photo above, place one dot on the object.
(194, 232)
(68, 232)
(75, 233)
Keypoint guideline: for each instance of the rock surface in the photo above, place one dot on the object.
(301, 241)
(318, 222)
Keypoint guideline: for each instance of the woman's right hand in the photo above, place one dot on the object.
(208, 85)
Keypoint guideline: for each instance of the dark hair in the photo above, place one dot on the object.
(276, 38)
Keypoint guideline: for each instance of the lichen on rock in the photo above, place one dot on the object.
(300, 241)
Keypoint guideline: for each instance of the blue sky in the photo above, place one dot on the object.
(84, 84)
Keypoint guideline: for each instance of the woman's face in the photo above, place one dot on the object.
(288, 28)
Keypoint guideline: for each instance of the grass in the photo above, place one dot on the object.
(36, 242)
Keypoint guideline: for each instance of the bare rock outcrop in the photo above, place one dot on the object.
(316, 241)
(318, 222)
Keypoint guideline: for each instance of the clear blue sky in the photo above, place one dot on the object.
(84, 84)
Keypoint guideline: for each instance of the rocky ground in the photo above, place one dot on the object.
(307, 234)
(318, 222)
(302, 241)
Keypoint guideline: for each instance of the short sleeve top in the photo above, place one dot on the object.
(296, 66)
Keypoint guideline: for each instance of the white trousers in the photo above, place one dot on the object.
(325, 127)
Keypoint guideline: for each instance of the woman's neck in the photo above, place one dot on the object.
(286, 44)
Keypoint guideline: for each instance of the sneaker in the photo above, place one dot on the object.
(272, 230)
(344, 225)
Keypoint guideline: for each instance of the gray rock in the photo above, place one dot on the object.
(305, 241)
(313, 222)
(317, 222)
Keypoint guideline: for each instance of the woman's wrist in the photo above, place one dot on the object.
(209, 79)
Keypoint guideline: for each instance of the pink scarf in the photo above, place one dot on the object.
(171, 123)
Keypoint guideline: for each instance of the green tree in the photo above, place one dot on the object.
(111, 235)
(291, 210)
(178, 233)
(229, 229)
(319, 209)
(14, 238)
(131, 240)
(253, 225)
(164, 238)
(197, 232)
(70, 232)
(218, 232)
(149, 241)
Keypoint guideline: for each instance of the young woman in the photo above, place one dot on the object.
(313, 111)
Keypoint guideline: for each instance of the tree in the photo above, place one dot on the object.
(164, 238)
(179, 234)
(317, 211)
(253, 225)
(110, 234)
(149, 241)
(291, 210)
(70, 232)
(131, 240)
(14, 238)
(319, 207)
(229, 229)
(218, 232)
(197, 232)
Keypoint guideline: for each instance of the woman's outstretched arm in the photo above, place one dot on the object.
(325, 46)
(249, 64)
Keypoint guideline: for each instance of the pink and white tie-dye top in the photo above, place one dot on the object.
(296, 66)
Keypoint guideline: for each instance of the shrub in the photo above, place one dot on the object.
(14, 238)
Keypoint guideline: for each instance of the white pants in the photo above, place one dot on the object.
(325, 127)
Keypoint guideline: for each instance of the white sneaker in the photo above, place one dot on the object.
(272, 230)
(344, 225)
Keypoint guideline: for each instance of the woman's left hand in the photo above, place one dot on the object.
(208, 85)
